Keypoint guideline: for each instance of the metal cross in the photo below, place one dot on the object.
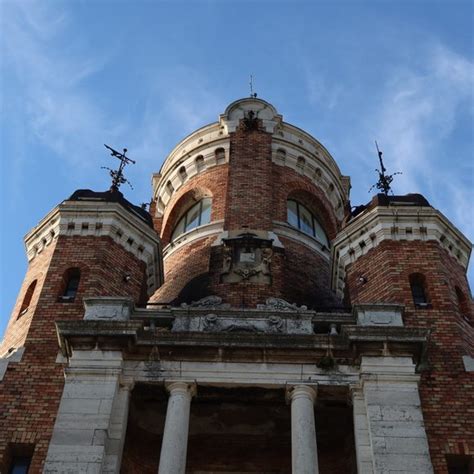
(117, 175)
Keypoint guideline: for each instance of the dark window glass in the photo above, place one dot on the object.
(418, 290)
(196, 215)
(303, 219)
(71, 284)
(19, 465)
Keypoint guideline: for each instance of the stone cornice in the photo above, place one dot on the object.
(100, 219)
(397, 223)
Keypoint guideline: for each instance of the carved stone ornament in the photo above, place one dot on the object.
(212, 301)
(212, 323)
(250, 120)
(278, 304)
(246, 257)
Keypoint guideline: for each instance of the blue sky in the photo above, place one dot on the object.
(142, 75)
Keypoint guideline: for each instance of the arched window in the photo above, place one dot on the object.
(220, 155)
(303, 219)
(281, 155)
(196, 215)
(300, 163)
(418, 289)
(27, 298)
(170, 187)
(71, 280)
(182, 173)
(199, 163)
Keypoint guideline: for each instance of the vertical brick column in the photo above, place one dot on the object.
(249, 191)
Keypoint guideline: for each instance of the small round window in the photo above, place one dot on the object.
(303, 219)
(198, 214)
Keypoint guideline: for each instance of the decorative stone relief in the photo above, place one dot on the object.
(278, 304)
(212, 301)
(246, 256)
(379, 314)
(267, 324)
(108, 308)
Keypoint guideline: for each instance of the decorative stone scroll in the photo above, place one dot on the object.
(278, 304)
(212, 301)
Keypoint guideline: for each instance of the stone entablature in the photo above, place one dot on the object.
(101, 219)
(396, 223)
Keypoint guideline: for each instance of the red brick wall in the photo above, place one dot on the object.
(251, 191)
(447, 391)
(31, 390)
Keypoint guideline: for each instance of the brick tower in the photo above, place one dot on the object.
(91, 245)
(289, 334)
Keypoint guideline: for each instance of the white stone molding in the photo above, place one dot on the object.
(398, 441)
(240, 374)
(13, 356)
(89, 431)
(101, 219)
(108, 308)
(398, 223)
(304, 453)
(361, 432)
(282, 229)
(467, 360)
(172, 174)
(214, 227)
(175, 435)
(319, 168)
(379, 314)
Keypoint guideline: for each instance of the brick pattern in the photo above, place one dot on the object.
(31, 389)
(250, 192)
(446, 390)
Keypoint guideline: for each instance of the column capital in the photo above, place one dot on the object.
(301, 391)
(175, 387)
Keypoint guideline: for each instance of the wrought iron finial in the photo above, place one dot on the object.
(385, 180)
(117, 175)
(252, 93)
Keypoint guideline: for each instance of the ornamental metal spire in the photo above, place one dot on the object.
(385, 180)
(117, 175)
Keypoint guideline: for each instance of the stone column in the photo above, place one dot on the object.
(304, 452)
(175, 435)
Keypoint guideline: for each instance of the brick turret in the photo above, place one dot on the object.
(93, 244)
(401, 250)
(249, 166)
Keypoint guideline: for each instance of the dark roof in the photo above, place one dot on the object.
(383, 200)
(112, 196)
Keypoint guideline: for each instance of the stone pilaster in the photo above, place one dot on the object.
(91, 421)
(395, 421)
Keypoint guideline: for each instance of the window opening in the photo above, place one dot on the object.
(418, 290)
(27, 299)
(197, 215)
(20, 465)
(303, 219)
(73, 275)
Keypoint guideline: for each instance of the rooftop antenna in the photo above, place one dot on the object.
(385, 180)
(117, 175)
(252, 93)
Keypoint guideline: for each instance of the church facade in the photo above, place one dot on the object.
(250, 322)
